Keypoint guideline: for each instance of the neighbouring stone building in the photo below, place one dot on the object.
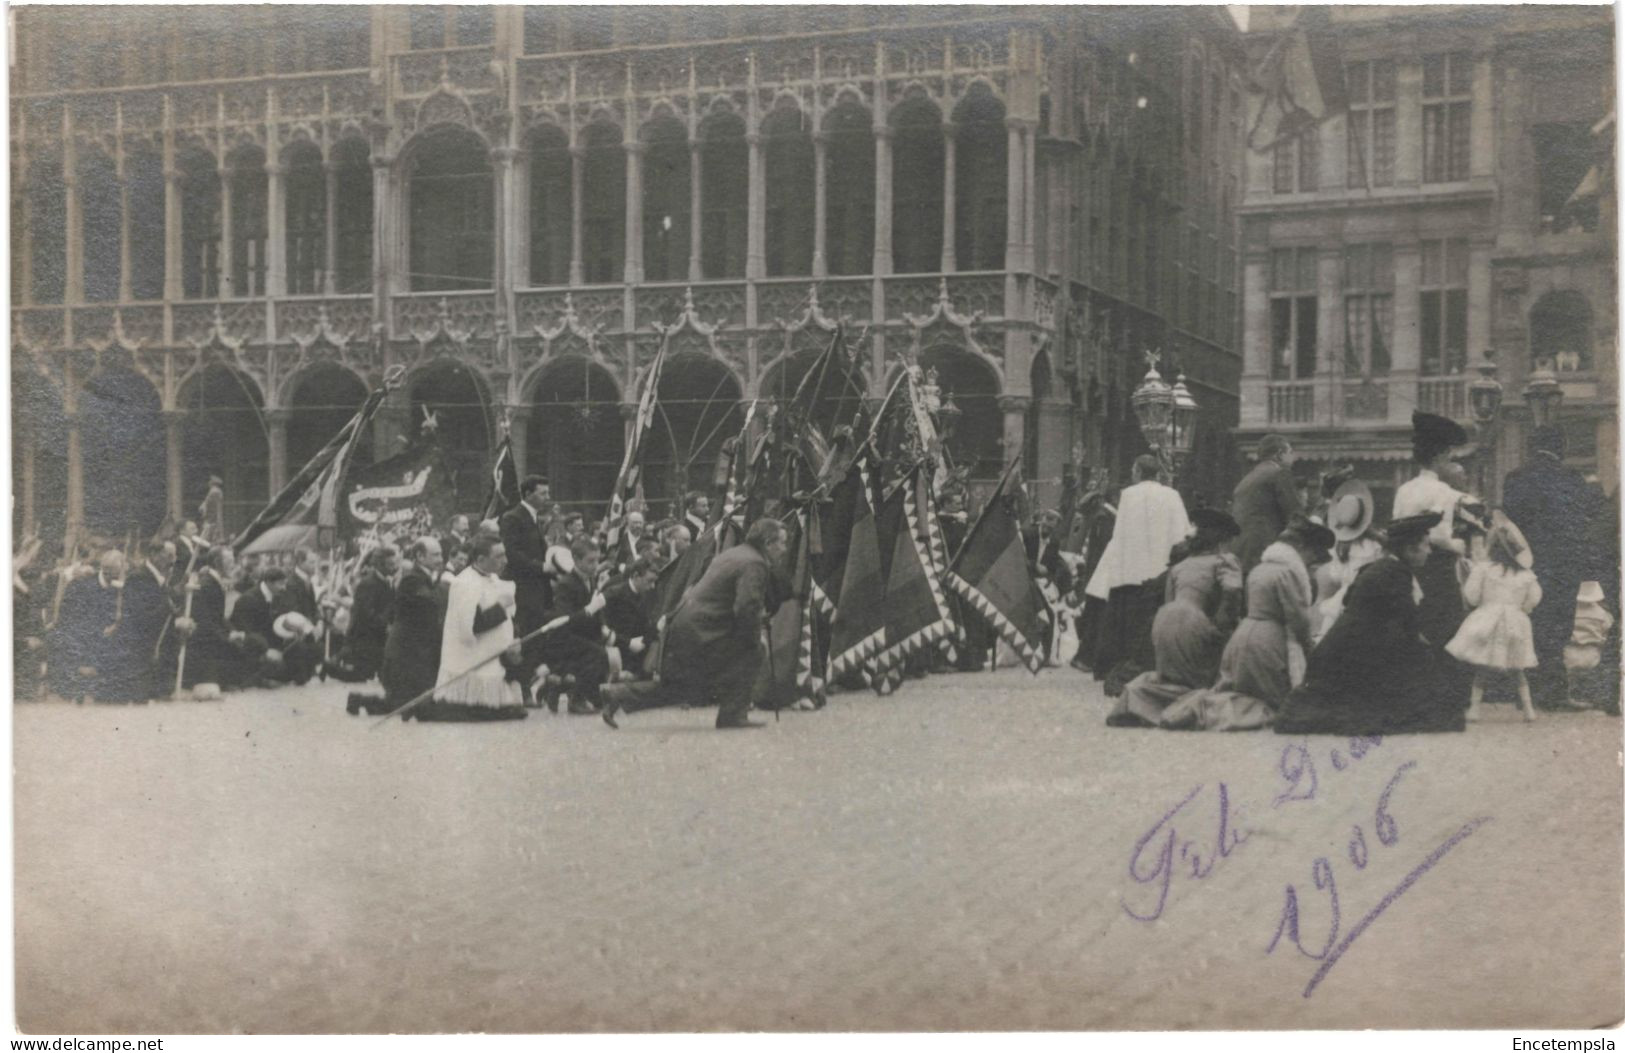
(1444, 220)
(228, 223)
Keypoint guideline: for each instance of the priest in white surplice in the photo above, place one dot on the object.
(1151, 520)
(479, 628)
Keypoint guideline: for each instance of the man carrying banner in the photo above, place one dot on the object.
(525, 562)
(713, 649)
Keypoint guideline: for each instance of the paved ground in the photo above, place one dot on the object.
(957, 856)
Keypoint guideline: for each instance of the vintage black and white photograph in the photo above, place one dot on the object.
(669, 519)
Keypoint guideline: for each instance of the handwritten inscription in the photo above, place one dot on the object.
(1297, 766)
(1162, 852)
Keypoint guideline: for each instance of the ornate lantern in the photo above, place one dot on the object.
(948, 417)
(1153, 403)
(1543, 394)
(1182, 421)
(1485, 394)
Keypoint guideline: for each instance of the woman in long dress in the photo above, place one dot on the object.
(1441, 609)
(1189, 632)
(1255, 672)
(479, 629)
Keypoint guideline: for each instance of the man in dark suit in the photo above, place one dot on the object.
(1265, 500)
(1554, 507)
(214, 650)
(1044, 551)
(522, 538)
(696, 510)
(254, 615)
(576, 649)
(81, 649)
(299, 594)
(370, 612)
(627, 613)
(412, 651)
(713, 651)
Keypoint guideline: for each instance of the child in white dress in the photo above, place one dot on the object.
(1496, 636)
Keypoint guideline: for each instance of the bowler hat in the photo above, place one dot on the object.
(1351, 511)
(1215, 523)
(1306, 532)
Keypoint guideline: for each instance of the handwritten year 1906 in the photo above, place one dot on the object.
(1324, 876)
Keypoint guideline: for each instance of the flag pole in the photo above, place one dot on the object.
(424, 696)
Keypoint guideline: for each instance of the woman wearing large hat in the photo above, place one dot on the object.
(1374, 674)
(1190, 629)
(1441, 610)
(1349, 516)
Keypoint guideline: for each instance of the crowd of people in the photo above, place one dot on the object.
(1293, 610)
(1296, 611)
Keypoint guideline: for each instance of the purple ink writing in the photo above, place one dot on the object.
(1162, 853)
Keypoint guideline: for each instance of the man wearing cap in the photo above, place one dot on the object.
(1554, 507)
(1265, 500)
(1374, 674)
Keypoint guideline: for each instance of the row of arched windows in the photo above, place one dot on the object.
(694, 207)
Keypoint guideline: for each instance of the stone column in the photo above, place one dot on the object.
(519, 436)
(73, 282)
(276, 233)
(276, 421)
(949, 257)
(1481, 152)
(1407, 349)
(503, 266)
(1255, 370)
(330, 229)
(383, 236)
(1015, 211)
(226, 290)
(1014, 408)
(634, 210)
(174, 435)
(1479, 251)
(882, 264)
(1330, 336)
(820, 265)
(76, 471)
(1029, 197)
(696, 200)
(125, 287)
(756, 209)
(576, 166)
(174, 287)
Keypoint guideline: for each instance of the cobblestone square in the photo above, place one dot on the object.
(957, 856)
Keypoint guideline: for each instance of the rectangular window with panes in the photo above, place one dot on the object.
(1294, 306)
(1297, 163)
(1368, 309)
(1447, 116)
(1443, 305)
(1370, 123)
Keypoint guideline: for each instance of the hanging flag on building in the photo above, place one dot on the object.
(1299, 80)
(300, 511)
(991, 574)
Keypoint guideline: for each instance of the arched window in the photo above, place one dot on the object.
(667, 202)
(550, 205)
(835, 397)
(322, 404)
(1560, 331)
(917, 171)
(144, 173)
(306, 189)
(698, 410)
(576, 438)
(788, 181)
(451, 219)
(224, 434)
(724, 188)
(980, 167)
(603, 204)
(451, 392)
(122, 432)
(101, 212)
(246, 170)
(200, 226)
(47, 231)
(353, 265)
(849, 191)
(977, 438)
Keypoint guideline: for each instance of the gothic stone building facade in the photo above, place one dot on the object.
(1433, 227)
(229, 223)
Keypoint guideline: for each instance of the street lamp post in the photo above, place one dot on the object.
(1543, 394)
(1484, 395)
(1167, 415)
